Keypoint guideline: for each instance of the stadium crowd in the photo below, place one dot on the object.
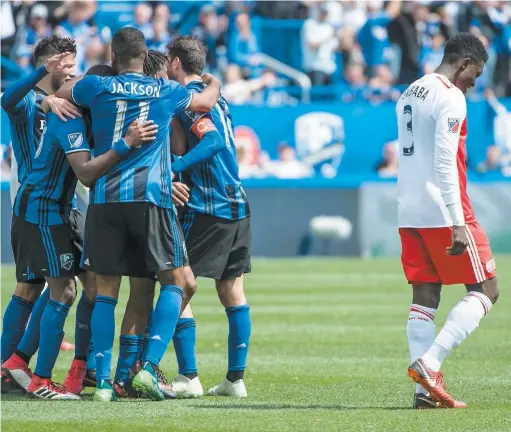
(352, 51)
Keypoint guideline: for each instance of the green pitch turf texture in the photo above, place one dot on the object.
(328, 353)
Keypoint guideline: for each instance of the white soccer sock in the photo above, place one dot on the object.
(463, 320)
(421, 333)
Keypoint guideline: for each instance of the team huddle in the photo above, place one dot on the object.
(155, 220)
(143, 220)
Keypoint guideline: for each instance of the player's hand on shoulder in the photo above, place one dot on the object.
(209, 79)
(459, 241)
(140, 133)
(180, 193)
(62, 107)
(56, 63)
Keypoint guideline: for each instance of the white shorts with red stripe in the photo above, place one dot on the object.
(424, 256)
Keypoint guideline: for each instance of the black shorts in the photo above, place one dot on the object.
(132, 239)
(217, 248)
(52, 251)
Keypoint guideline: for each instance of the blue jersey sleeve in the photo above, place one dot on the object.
(71, 135)
(85, 90)
(180, 97)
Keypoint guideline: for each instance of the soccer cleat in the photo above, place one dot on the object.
(163, 384)
(89, 380)
(104, 392)
(44, 388)
(75, 376)
(125, 390)
(8, 386)
(146, 381)
(422, 401)
(18, 371)
(67, 346)
(186, 388)
(227, 388)
(433, 382)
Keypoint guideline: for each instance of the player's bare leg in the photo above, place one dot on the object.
(78, 370)
(133, 333)
(463, 319)
(103, 331)
(186, 384)
(232, 296)
(421, 332)
(163, 323)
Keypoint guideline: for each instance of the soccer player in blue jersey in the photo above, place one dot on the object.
(216, 224)
(48, 233)
(23, 101)
(130, 225)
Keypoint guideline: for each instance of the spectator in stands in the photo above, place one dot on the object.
(95, 53)
(356, 83)
(431, 56)
(160, 35)
(211, 31)
(381, 86)
(142, 15)
(373, 36)
(288, 166)
(494, 161)
(238, 90)
(23, 59)
(388, 166)
(244, 45)
(319, 44)
(37, 28)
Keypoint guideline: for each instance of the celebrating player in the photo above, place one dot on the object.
(23, 102)
(130, 207)
(442, 242)
(216, 224)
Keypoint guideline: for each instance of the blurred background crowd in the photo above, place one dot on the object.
(276, 53)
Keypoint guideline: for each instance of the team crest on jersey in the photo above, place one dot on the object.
(75, 139)
(66, 261)
(454, 125)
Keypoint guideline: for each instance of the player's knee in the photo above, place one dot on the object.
(28, 292)
(231, 292)
(90, 288)
(174, 277)
(427, 295)
(491, 290)
(63, 290)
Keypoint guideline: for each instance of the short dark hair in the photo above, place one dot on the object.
(153, 62)
(465, 45)
(127, 44)
(53, 45)
(101, 70)
(190, 51)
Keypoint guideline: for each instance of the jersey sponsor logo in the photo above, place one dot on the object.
(75, 139)
(202, 127)
(454, 124)
(490, 266)
(66, 261)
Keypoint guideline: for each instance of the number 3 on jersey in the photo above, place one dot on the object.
(121, 113)
(408, 151)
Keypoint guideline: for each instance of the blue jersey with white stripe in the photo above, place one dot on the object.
(27, 120)
(115, 102)
(216, 189)
(46, 195)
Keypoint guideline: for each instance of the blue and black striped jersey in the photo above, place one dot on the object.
(115, 102)
(216, 188)
(46, 195)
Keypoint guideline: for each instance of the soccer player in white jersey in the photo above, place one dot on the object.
(442, 242)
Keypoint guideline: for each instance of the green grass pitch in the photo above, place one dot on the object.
(328, 353)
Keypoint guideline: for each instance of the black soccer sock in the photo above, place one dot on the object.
(191, 376)
(233, 376)
(22, 356)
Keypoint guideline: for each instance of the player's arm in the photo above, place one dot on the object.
(178, 142)
(206, 100)
(450, 117)
(81, 91)
(210, 143)
(61, 107)
(13, 98)
(88, 170)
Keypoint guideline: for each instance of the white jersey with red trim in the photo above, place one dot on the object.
(432, 132)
